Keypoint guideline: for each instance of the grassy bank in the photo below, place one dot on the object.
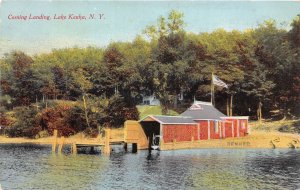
(145, 110)
(288, 126)
(263, 135)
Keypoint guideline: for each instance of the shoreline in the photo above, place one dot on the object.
(78, 138)
(257, 139)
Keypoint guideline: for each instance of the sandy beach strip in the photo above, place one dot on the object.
(257, 139)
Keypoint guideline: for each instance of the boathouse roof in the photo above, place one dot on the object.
(203, 111)
(198, 111)
(163, 119)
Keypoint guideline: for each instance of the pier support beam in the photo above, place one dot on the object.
(134, 147)
(74, 148)
(54, 143)
(107, 139)
(92, 150)
(125, 147)
(61, 144)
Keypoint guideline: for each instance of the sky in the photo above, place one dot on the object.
(124, 20)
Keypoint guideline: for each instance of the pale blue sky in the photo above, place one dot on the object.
(125, 19)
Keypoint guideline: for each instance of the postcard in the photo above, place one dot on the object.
(149, 94)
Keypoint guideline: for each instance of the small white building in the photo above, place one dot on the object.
(151, 100)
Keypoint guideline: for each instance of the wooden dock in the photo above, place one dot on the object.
(131, 134)
(79, 145)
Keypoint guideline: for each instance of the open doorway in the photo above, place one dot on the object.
(152, 131)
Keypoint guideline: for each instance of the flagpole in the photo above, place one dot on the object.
(212, 90)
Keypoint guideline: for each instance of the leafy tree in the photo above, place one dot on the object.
(85, 85)
(27, 123)
(115, 111)
(275, 53)
(113, 59)
(260, 66)
(21, 82)
(294, 38)
(294, 33)
(57, 118)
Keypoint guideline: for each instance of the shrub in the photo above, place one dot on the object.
(91, 132)
(14, 131)
(56, 118)
(291, 128)
(76, 119)
(4, 119)
(27, 124)
(32, 132)
(131, 113)
(42, 134)
(116, 111)
(68, 119)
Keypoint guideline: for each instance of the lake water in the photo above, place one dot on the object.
(35, 167)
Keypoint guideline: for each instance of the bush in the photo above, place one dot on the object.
(292, 128)
(76, 119)
(131, 113)
(69, 119)
(4, 119)
(27, 124)
(13, 131)
(116, 111)
(42, 134)
(57, 119)
(91, 132)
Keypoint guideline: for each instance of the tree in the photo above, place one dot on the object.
(22, 79)
(85, 85)
(258, 87)
(115, 111)
(173, 25)
(275, 53)
(294, 38)
(294, 33)
(161, 90)
(113, 60)
(27, 123)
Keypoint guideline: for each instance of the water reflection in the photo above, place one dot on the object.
(34, 167)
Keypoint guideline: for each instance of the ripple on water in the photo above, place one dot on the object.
(34, 167)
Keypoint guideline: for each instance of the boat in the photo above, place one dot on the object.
(155, 142)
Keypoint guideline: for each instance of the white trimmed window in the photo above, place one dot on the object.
(243, 124)
(216, 126)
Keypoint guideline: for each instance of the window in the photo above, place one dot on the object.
(146, 102)
(216, 126)
(243, 124)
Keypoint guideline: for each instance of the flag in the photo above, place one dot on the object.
(218, 82)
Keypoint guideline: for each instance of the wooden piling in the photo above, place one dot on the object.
(134, 147)
(60, 146)
(92, 149)
(125, 147)
(74, 148)
(107, 141)
(54, 143)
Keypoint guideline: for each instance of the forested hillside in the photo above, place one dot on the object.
(261, 66)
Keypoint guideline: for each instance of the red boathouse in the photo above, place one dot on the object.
(202, 121)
